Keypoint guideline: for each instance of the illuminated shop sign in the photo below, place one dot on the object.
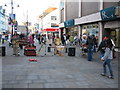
(110, 13)
(69, 23)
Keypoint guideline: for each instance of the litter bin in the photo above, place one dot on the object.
(2, 50)
(71, 51)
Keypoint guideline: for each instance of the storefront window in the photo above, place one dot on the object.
(72, 31)
(91, 29)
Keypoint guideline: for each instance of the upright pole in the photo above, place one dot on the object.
(27, 25)
(12, 15)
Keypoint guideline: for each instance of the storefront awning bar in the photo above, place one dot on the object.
(88, 19)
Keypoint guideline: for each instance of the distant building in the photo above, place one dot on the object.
(4, 27)
(49, 21)
(21, 29)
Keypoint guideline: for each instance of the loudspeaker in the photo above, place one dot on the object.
(71, 51)
(49, 49)
(3, 49)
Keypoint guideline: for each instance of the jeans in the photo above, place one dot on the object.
(71, 43)
(101, 54)
(108, 63)
(90, 54)
(94, 48)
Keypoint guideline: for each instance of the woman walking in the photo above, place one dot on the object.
(107, 58)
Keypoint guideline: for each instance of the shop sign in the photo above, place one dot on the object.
(69, 23)
(108, 14)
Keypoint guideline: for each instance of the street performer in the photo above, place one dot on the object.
(15, 42)
(57, 42)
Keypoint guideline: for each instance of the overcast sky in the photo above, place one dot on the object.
(34, 7)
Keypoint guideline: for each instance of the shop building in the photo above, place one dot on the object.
(111, 21)
(4, 25)
(2, 20)
(88, 18)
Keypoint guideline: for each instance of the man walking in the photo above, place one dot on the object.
(89, 44)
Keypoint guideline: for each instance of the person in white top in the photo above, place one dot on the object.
(3, 38)
(107, 58)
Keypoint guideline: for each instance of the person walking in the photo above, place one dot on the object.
(102, 46)
(62, 39)
(94, 43)
(89, 44)
(53, 37)
(107, 58)
(83, 45)
(39, 39)
(3, 38)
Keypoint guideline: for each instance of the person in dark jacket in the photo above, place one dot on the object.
(39, 39)
(62, 39)
(94, 43)
(102, 47)
(89, 44)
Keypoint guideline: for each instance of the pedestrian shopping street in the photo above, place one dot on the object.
(52, 71)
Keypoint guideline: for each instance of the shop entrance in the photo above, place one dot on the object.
(115, 36)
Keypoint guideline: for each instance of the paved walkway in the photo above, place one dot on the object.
(55, 71)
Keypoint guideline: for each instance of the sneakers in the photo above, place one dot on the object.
(111, 77)
(103, 74)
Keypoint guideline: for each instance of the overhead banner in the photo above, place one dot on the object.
(13, 16)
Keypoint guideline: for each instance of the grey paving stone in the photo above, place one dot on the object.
(54, 85)
(44, 76)
(21, 77)
(70, 85)
(39, 81)
(24, 81)
(13, 82)
(82, 83)
(5, 81)
(7, 86)
(8, 77)
(35, 85)
(98, 86)
(32, 77)
(50, 80)
(20, 86)
(113, 85)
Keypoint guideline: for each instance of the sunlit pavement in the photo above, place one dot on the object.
(52, 71)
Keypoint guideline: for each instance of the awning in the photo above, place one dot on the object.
(47, 11)
(51, 30)
(112, 24)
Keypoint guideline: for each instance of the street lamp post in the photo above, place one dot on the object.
(12, 15)
(27, 25)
